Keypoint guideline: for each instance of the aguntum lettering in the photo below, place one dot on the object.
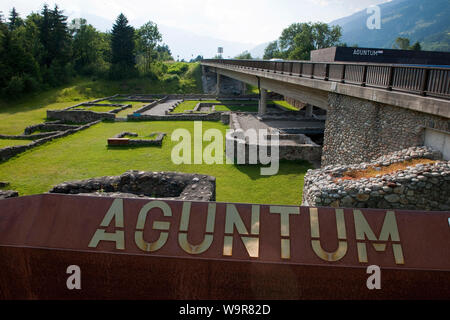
(250, 237)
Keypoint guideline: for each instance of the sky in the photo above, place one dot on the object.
(249, 22)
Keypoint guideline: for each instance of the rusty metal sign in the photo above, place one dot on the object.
(158, 249)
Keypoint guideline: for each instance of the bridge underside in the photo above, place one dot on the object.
(363, 123)
(318, 98)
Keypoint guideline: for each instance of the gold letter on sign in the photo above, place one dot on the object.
(233, 219)
(315, 235)
(285, 213)
(184, 225)
(389, 228)
(115, 212)
(157, 225)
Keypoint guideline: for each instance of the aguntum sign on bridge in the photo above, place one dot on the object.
(176, 249)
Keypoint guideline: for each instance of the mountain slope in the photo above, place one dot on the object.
(419, 20)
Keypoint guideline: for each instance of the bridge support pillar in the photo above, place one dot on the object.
(218, 84)
(262, 107)
(309, 111)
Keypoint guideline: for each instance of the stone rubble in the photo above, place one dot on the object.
(420, 187)
(142, 184)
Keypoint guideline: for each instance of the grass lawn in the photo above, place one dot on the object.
(96, 108)
(134, 106)
(249, 106)
(85, 155)
(246, 106)
(16, 115)
(283, 104)
(190, 105)
(11, 142)
(238, 107)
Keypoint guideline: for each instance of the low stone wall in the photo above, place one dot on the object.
(151, 105)
(286, 151)
(48, 127)
(79, 116)
(4, 194)
(291, 146)
(213, 116)
(171, 108)
(35, 136)
(105, 98)
(225, 117)
(157, 141)
(9, 152)
(424, 186)
(119, 107)
(168, 185)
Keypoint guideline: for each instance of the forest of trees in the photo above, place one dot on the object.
(297, 40)
(45, 50)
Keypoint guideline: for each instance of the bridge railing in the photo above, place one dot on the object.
(426, 81)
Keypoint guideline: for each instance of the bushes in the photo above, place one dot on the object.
(15, 86)
(119, 71)
(18, 85)
(177, 68)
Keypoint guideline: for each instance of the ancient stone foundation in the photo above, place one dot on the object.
(141, 184)
(39, 139)
(4, 194)
(122, 140)
(79, 116)
(290, 146)
(422, 186)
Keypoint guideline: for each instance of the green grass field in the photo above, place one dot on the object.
(85, 154)
(245, 106)
(13, 142)
(96, 108)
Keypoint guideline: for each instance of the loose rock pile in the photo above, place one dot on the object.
(168, 185)
(7, 193)
(424, 186)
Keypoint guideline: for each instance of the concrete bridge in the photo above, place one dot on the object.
(372, 109)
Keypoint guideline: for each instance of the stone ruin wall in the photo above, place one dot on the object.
(142, 184)
(420, 187)
(359, 130)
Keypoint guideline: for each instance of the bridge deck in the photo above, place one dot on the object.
(424, 89)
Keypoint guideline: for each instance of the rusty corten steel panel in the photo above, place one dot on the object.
(118, 141)
(140, 248)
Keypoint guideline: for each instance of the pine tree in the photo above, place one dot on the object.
(60, 40)
(44, 32)
(14, 20)
(122, 42)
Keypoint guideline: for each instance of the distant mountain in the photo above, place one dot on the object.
(182, 43)
(187, 44)
(258, 51)
(426, 21)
